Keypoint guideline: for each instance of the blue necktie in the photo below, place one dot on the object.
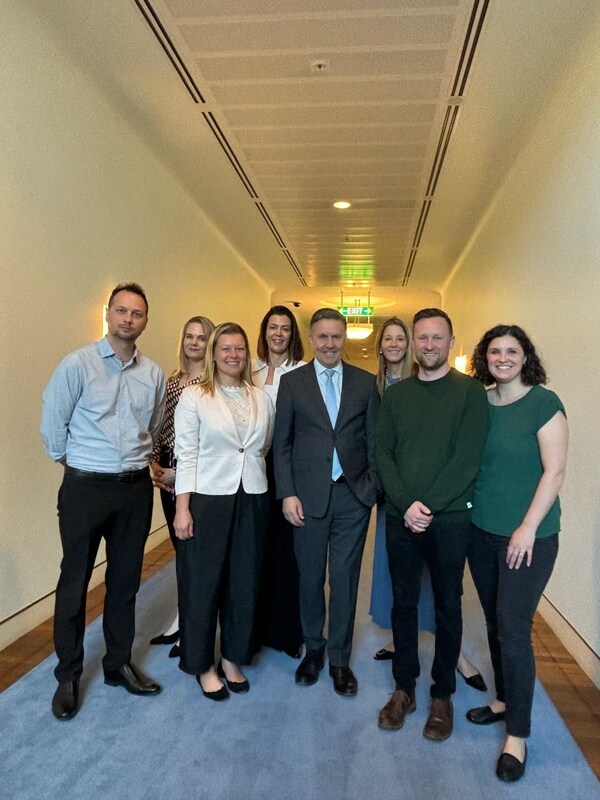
(331, 404)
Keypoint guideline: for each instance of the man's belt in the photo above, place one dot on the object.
(108, 477)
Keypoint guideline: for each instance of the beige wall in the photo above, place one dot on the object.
(535, 261)
(85, 204)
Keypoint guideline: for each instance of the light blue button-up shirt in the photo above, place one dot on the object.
(337, 377)
(101, 415)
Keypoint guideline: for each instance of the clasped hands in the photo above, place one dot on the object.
(417, 517)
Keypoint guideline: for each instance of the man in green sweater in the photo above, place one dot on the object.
(429, 442)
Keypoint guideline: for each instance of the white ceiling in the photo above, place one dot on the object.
(416, 118)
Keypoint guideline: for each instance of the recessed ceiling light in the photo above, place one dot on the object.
(341, 204)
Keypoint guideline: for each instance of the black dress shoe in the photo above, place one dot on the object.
(509, 768)
(237, 687)
(484, 715)
(474, 681)
(165, 638)
(220, 694)
(310, 666)
(384, 654)
(344, 681)
(175, 651)
(130, 678)
(65, 703)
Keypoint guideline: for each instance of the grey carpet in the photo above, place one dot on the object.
(279, 741)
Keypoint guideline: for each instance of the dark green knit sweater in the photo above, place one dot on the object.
(429, 442)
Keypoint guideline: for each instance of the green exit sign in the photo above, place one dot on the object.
(356, 311)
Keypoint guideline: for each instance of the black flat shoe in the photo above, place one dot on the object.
(384, 654)
(475, 681)
(175, 651)
(130, 678)
(220, 694)
(165, 638)
(485, 716)
(65, 703)
(237, 687)
(509, 768)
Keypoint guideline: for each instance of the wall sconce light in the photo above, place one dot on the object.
(460, 363)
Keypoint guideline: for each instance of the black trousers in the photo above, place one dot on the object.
(167, 499)
(218, 576)
(89, 510)
(443, 547)
(509, 598)
(279, 613)
(341, 534)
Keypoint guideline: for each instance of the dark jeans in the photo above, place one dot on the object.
(218, 575)
(509, 598)
(89, 510)
(443, 547)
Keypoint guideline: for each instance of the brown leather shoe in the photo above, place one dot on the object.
(439, 722)
(391, 716)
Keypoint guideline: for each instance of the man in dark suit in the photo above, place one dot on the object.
(325, 473)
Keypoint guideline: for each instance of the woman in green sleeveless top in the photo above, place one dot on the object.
(516, 516)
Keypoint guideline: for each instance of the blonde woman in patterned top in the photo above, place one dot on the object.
(223, 429)
(190, 357)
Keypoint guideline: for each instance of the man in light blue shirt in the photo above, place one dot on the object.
(101, 414)
(325, 475)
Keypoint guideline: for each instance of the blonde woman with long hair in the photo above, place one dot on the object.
(190, 368)
(223, 429)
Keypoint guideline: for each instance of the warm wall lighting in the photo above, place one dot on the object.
(460, 363)
(341, 204)
(104, 322)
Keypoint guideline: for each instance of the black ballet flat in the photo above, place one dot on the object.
(475, 681)
(384, 654)
(237, 687)
(220, 694)
(485, 716)
(509, 768)
(175, 651)
(165, 638)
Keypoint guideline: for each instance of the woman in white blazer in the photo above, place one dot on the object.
(223, 429)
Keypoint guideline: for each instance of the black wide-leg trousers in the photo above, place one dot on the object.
(218, 576)
(89, 509)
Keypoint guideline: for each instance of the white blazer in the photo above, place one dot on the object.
(211, 457)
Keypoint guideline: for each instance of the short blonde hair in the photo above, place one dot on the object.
(209, 379)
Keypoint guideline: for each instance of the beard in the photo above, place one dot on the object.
(431, 363)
